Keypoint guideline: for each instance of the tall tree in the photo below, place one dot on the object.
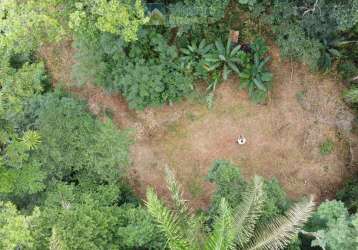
(15, 229)
(25, 25)
(122, 18)
(332, 227)
(18, 172)
(232, 229)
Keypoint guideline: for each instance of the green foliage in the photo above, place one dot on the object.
(83, 162)
(17, 85)
(351, 95)
(315, 32)
(231, 185)
(293, 44)
(25, 26)
(326, 147)
(280, 232)
(87, 217)
(122, 18)
(349, 194)
(250, 3)
(249, 211)
(189, 13)
(276, 201)
(193, 58)
(91, 63)
(225, 59)
(255, 76)
(152, 85)
(223, 235)
(147, 72)
(348, 69)
(15, 228)
(168, 222)
(231, 228)
(333, 227)
(19, 173)
(75, 146)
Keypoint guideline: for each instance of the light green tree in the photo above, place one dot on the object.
(15, 229)
(332, 227)
(56, 243)
(122, 18)
(25, 25)
(18, 173)
(232, 228)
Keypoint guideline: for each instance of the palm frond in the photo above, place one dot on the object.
(189, 224)
(249, 211)
(168, 222)
(176, 193)
(56, 243)
(31, 139)
(223, 235)
(280, 232)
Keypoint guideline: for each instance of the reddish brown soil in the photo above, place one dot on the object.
(283, 137)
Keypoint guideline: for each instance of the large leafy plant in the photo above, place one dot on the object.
(193, 57)
(225, 59)
(152, 85)
(255, 77)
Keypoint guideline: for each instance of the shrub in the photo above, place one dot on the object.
(332, 227)
(348, 69)
(90, 65)
(231, 185)
(294, 44)
(88, 217)
(193, 58)
(351, 95)
(147, 72)
(255, 77)
(152, 85)
(276, 202)
(19, 173)
(225, 59)
(315, 32)
(15, 228)
(349, 194)
(75, 146)
(326, 147)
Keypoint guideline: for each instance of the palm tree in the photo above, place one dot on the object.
(232, 229)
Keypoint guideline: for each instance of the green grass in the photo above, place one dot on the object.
(326, 147)
(300, 95)
(191, 116)
(195, 187)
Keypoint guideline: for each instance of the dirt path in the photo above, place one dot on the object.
(283, 137)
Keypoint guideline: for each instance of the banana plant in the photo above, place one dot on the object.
(226, 60)
(331, 50)
(256, 79)
(193, 56)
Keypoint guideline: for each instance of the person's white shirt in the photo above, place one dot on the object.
(241, 140)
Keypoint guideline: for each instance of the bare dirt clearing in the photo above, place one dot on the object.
(283, 137)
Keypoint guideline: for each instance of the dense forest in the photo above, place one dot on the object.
(64, 170)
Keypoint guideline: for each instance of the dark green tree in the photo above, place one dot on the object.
(236, 228)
